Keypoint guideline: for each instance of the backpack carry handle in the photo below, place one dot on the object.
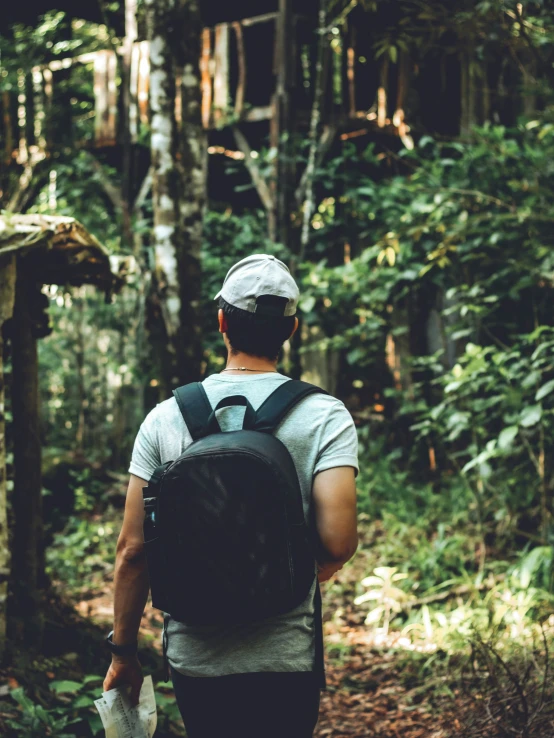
(233, 401)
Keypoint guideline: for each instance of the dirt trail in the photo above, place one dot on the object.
(366, 695)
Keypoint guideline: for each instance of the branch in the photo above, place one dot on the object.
(113, 192)
(261, 185)
(325, 141)
(144, 190)
(523, 28)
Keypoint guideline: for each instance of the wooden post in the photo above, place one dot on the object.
(143, 82)
(111, 85)
(221, 74)
(100, 97)
(351, 69)
(206, 76)
(27, 502)
(7, 299)
(133, 92)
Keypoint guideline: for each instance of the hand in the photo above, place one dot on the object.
(125, 671)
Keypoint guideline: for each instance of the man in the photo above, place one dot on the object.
(256, 680)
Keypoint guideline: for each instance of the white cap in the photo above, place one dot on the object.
(255, 276)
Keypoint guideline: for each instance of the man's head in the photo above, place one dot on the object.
(257, 304)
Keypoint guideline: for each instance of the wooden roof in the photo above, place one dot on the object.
(58, 250)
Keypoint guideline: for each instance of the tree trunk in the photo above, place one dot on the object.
(178, 165)
(128, 102)
(281, 129)
(309, 202)
(27, 502)
(7, 298)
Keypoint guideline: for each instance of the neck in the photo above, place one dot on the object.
(256, 363)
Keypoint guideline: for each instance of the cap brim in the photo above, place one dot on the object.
(218, 295)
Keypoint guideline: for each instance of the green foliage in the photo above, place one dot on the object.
(35, 721)
(383, 592)
(495, 421)
(75, 707)
(454, 252)
(82, 554)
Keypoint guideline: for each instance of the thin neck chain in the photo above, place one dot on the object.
(246, 369)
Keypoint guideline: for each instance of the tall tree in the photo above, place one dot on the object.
(7, 299)
(27, 550)
(178, 166)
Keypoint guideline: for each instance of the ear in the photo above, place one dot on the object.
(222, 321)
(294, 329)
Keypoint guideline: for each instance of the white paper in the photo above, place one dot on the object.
(121, 720)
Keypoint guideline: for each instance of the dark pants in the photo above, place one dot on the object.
(261, 705)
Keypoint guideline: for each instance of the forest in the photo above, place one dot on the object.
(398, 155)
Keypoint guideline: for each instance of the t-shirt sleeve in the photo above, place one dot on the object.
(339, 441)
(146, 451)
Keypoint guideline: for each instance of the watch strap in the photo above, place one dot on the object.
(129, 649)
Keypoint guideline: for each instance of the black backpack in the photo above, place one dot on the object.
(225, 534)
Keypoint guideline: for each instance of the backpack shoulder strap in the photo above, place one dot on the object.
(280, 402)
(195, 408)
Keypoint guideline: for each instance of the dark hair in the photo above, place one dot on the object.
(254, 334)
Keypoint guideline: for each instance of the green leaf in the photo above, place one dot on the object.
(531, 380)
(65, 686)
(369, 191)
(506, 437)
(530, 416)
(95, 724)
(92, 678)
(307, 304)
(82, 700)
(352, 357)
(545, 390)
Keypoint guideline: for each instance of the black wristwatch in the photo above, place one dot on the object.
(128, 649)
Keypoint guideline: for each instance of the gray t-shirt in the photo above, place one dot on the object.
(319, 434)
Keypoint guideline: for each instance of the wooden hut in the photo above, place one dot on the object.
(34, 250)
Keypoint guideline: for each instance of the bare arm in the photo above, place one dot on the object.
(130, 590)
(334, 499)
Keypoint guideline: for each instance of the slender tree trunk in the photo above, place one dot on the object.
(309, 202)
(282, 128)
(178, 165)
(7, 298)
(79, 307)
(27, 502)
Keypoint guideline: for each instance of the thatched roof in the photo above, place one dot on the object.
(58, 250)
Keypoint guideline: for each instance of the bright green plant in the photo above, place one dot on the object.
(381, 591)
